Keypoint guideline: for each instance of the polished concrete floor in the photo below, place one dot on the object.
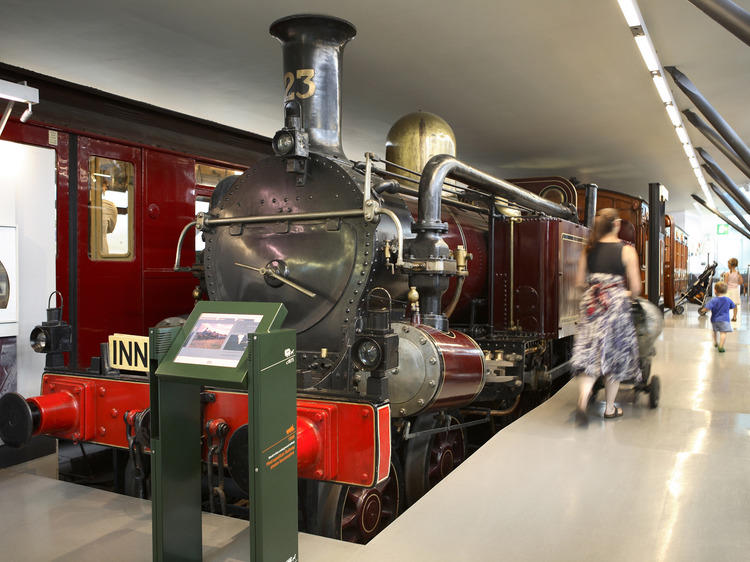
(42, 519)
(665, 484)
(668, 484)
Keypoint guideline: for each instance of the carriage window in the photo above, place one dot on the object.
(202, 203)
(211, 175)
(111, 187)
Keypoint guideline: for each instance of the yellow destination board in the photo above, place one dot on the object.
(128, 352)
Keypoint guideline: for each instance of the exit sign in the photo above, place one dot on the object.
(722, 229)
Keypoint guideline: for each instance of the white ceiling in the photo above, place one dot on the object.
(531, 87)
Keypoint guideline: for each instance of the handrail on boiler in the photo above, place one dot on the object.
(202, 221)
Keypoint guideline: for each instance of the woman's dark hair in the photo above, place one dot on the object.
(627, 232)
(604, 222)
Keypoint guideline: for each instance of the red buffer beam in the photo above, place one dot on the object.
(337, 441)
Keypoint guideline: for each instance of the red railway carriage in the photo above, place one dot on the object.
(159, 167)
(634, 213)
(675, 262)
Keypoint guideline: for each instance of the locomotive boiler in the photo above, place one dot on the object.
(426, 296)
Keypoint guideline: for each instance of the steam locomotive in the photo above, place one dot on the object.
(427, 296)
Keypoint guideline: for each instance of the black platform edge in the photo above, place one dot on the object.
(39, 446)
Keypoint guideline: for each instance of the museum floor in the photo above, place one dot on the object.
(657, 484)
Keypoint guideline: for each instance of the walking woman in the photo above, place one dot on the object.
(606, 343)
(734, 281)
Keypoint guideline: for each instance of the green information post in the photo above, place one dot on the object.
(234, 346)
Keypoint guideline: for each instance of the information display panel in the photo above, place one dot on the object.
(213, 343)
(218, 339)
(226, 345)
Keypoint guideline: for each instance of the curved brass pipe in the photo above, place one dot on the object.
(494, 413)
(456, 295)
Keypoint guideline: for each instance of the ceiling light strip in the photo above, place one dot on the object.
(645, 46)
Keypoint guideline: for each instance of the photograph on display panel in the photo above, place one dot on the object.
(218, 339)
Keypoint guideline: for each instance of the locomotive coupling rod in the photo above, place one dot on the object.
(445, 429)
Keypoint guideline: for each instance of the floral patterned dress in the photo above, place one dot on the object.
(606, 342)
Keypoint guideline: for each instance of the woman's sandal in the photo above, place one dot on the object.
(616, 414)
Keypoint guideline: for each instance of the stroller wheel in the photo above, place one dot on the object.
(653, 392)
(702, 312)
(679, 309)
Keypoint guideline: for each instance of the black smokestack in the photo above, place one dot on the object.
(313, 46)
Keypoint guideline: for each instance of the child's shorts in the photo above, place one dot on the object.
(722, 326)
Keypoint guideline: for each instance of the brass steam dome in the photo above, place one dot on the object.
(417, 137)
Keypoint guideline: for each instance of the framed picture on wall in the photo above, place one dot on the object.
(8, 366)
(8, 281)
(8, 309)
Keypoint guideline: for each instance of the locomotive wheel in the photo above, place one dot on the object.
(430, 458)
(356, 514)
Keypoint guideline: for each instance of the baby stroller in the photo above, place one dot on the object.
(698, 292)
(649, 322)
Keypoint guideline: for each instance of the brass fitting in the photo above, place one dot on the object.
(413, 296)
(462, 258)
